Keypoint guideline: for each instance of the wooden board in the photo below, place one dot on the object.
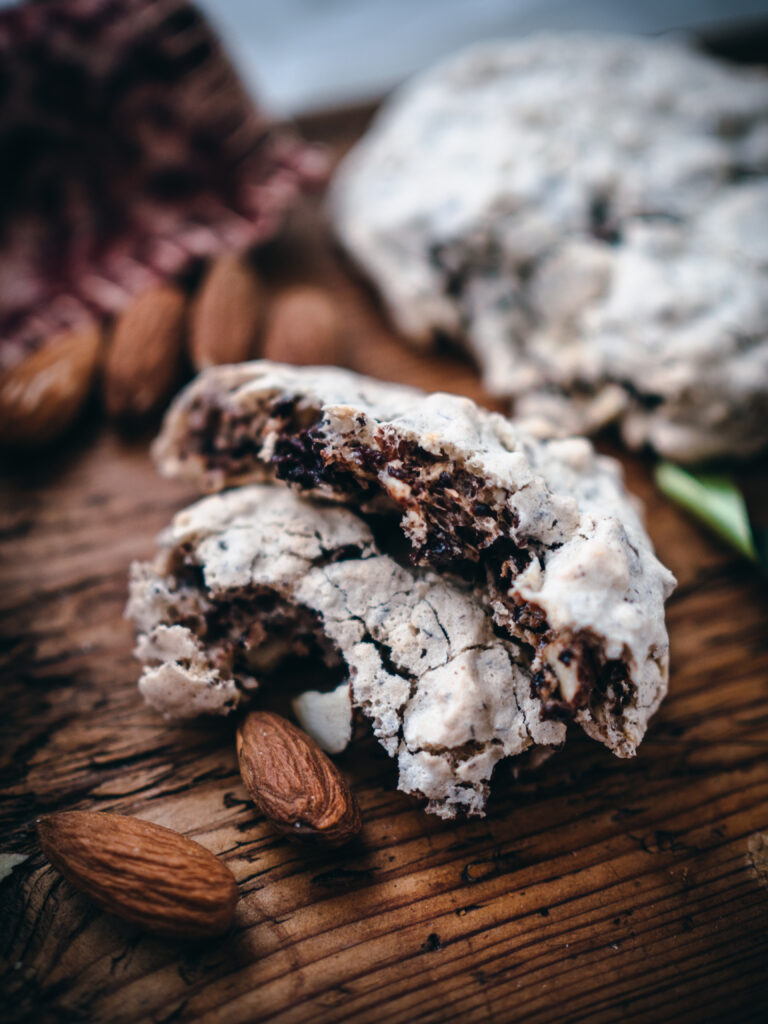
(600, 890)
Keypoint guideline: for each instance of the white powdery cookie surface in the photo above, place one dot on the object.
(446, 696)
(588, 214)
(543, 528)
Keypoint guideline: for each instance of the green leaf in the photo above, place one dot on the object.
(714, 499)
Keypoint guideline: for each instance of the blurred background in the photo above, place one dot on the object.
(305, 55)
(147, 189)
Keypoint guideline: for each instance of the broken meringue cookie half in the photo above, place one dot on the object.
(257, 570)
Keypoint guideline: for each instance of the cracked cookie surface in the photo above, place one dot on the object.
(588, 214)
(446, 696)
(542, 529)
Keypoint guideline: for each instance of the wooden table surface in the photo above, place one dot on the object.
(600, 890)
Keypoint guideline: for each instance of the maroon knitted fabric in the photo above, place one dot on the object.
(128, 149)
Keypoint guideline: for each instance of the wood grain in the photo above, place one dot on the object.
(599, 890)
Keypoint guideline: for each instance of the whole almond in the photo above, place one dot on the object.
(144, 873)
(144, 356)
(226, 314)
(304, 328)
(293, 783)
(42, 395)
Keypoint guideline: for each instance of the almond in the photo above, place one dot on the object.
(227, 313)
(293, 783)
(144, 356)
(144, 873)
(43, 394)
(304, 328)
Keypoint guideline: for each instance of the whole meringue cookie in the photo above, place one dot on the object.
(588, 214)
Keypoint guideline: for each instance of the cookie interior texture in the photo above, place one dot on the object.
(542, 530)
(588, 214)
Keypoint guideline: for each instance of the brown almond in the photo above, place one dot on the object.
(293, 783)
(144, 356)
(227, 313)
(304, 328)
(41, 396)
(144, 873)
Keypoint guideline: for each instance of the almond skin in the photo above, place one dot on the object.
(304, 328)
(42, 395)
(144, 356)
(293, 783)
(144, 873)
(227, 313)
